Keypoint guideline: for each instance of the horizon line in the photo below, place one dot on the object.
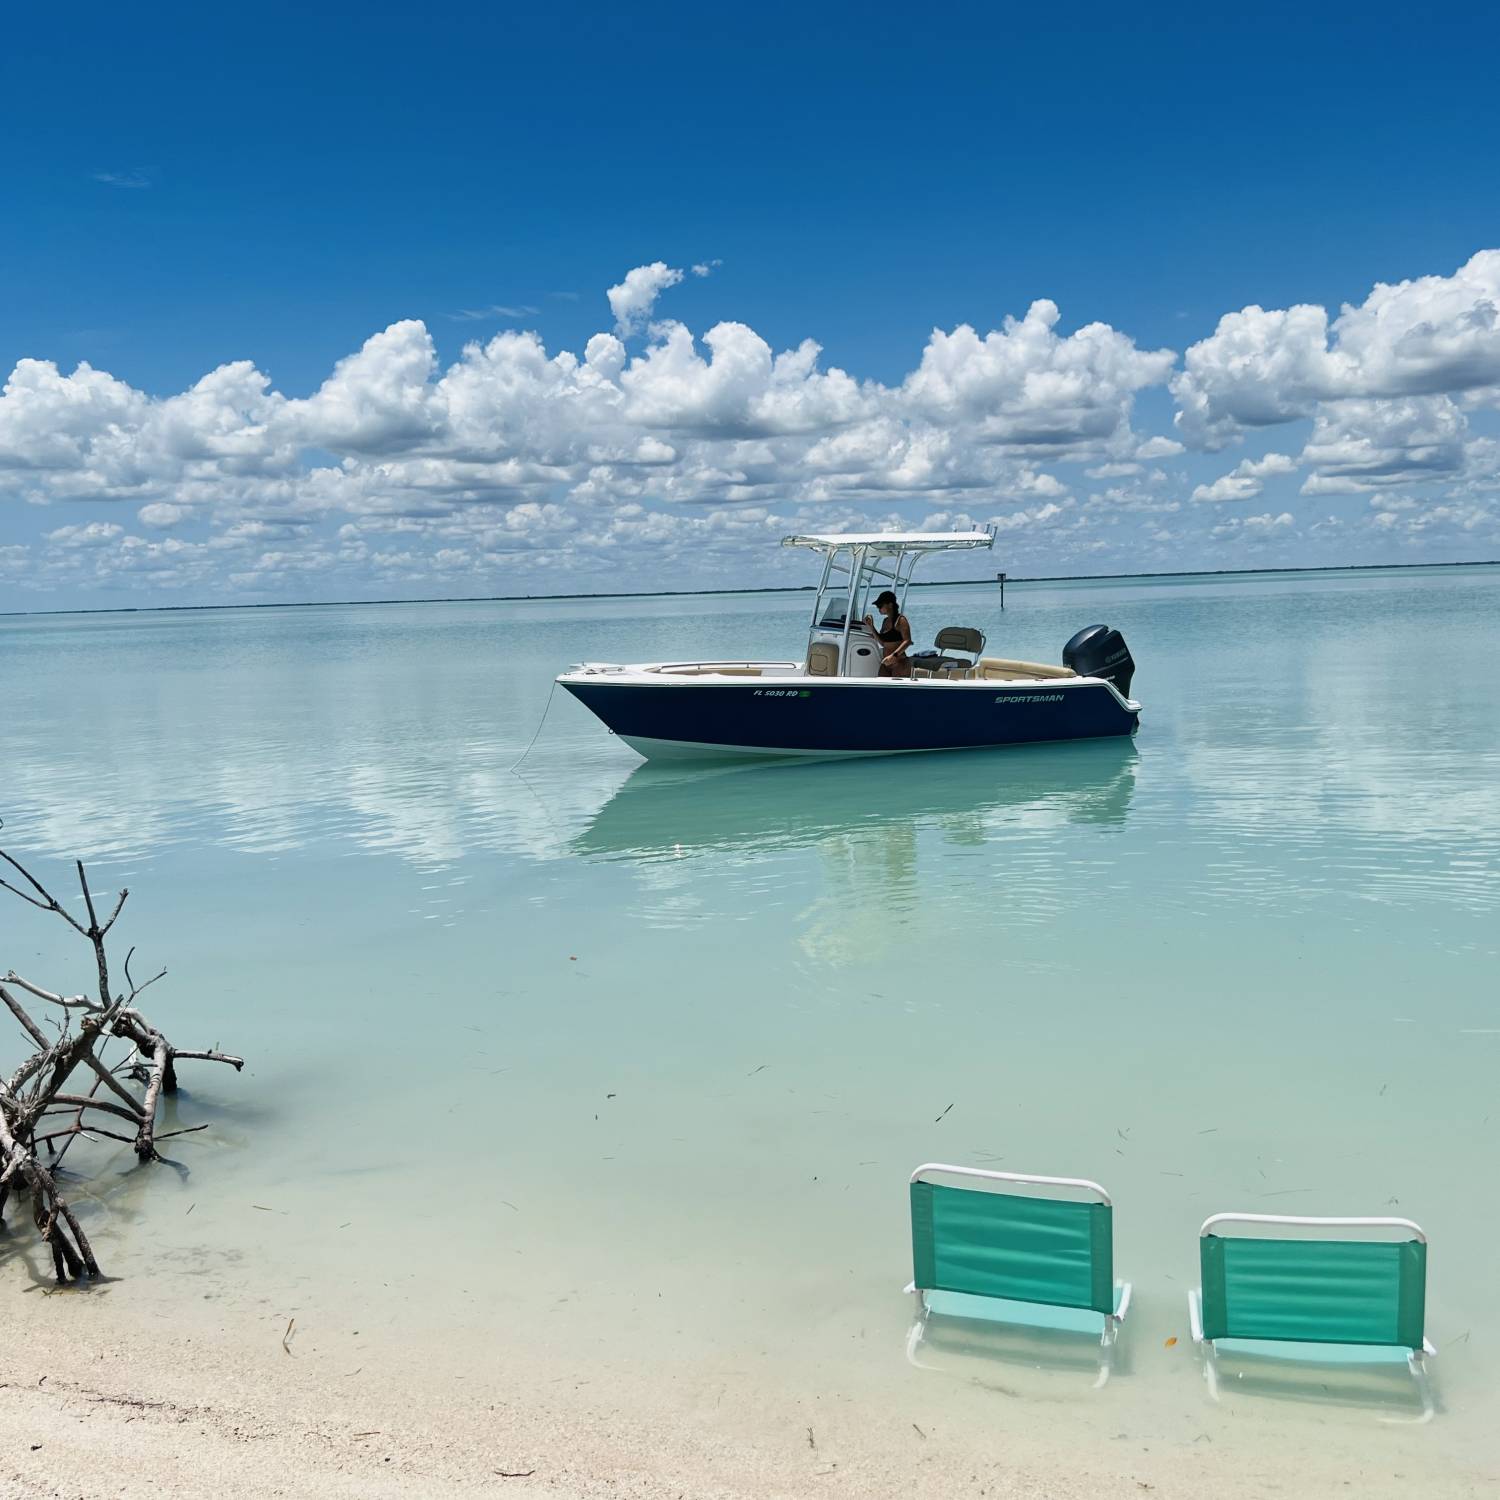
(802, 588)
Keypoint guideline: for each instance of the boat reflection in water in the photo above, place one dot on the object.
(666, 812)
(871, 859)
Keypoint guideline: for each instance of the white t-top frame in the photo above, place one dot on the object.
(859, 560)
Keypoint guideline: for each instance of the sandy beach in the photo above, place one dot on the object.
(116, 1400)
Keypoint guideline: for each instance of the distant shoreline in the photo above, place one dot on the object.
(805, 588)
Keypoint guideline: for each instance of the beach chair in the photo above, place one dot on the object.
(983, 1242)
(1296, 1283)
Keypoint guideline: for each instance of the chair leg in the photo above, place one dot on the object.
(1107, 1350)
(1211, 1371)
(1416, 1362)
(918, 1330)
(1206, 1351)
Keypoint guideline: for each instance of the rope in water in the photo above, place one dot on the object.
(532, 746)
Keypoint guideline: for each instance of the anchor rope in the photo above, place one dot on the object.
(545, 711)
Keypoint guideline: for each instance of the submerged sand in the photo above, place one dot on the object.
(102, 1397)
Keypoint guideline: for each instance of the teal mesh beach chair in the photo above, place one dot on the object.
(1299, 1282)
(983, 1241)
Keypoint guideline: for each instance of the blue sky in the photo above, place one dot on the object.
(189, 191)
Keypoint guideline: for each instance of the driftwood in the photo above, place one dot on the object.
(66, 1088)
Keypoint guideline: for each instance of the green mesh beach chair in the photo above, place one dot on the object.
(983, 1242)
(1294, 1283)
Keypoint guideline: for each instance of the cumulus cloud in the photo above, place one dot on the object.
(92, 535)
(1255, 528)
(408, 464)
(741, 390)
(631, 300)
(1473, 522)
(1247, 479)
(1364, 444)
(161, 514)
(1430, 335)
(1025, 386)
(711, 420)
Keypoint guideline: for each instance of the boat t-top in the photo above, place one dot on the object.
(835, 700)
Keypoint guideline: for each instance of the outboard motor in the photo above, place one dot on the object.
(1099, 651)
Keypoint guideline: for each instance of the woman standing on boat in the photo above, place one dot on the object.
(895, 636)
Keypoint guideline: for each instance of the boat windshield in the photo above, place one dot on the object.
(832, 610)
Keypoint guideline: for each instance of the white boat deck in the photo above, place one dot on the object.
(986, 669)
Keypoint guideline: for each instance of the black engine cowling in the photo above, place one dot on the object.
(1099, 651)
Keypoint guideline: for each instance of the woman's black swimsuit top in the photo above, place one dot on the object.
(892, 632)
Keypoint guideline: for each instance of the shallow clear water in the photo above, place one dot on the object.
(686, 1031)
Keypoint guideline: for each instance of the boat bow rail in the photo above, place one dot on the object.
(655, 669)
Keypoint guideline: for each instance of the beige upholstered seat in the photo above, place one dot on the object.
(822, 659)
(939, 663)
(1001, 668)
(959, 638)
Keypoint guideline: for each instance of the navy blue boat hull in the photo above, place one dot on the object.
(761, 717)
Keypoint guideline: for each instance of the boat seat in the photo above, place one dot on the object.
(1005, 669)
(960, 638)
(951, 638)
(822, 659)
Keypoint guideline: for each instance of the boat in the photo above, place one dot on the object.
(834, 701)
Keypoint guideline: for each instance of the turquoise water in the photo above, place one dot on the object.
(693, 1029)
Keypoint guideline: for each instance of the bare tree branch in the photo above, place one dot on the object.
(49, 902)
(161, 1060)
(109, 1080)
(88, 898)
(110, 920)
(237, 1063)
(77, 1002)
(36, 1096)
(6, 885)
(133, 1114)
(29, 1026)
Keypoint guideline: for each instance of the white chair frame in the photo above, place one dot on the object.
(1112, 1320)
(1416, 1359)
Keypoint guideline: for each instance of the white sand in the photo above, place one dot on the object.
(102, 1396)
